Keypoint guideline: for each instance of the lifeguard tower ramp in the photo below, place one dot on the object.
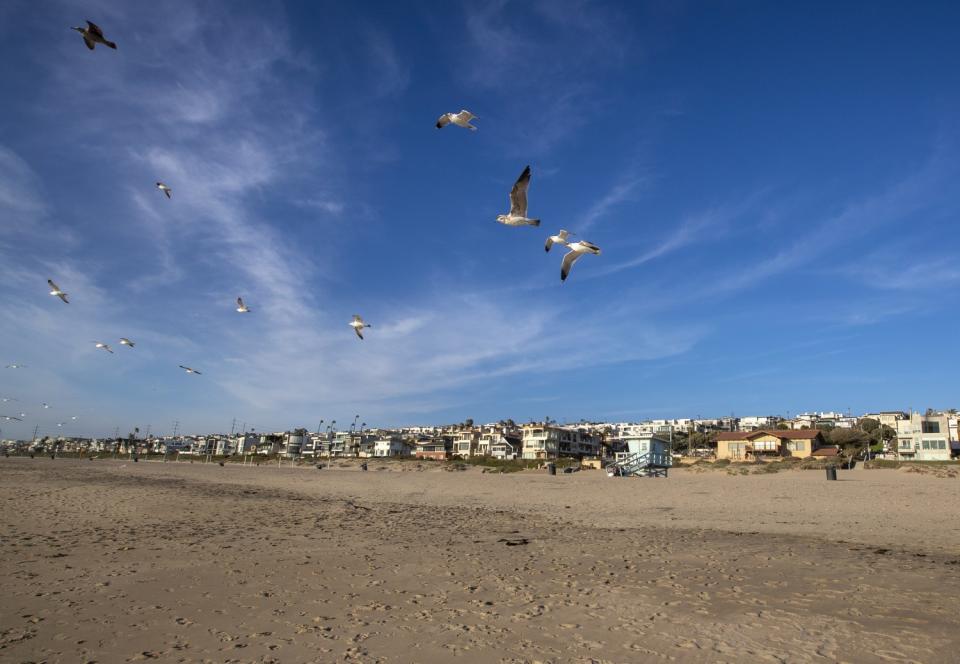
(644, 464)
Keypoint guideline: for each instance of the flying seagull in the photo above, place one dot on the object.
(100, 344)
(126, 342)
(241, 307)
(518, 203)
(10, 418)
(357, 324)
(6, 399)
(92, 35)
(59, 424)
(577, 249)
(45, 405)
(16, 366)
(189, 370)
(461, 119)
(559, 238)
(165, 189)
(55, 290)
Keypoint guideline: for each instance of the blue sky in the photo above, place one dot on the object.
(774, 189)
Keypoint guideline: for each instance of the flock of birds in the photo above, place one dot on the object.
(517, 216)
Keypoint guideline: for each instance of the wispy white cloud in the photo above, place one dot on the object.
(620, 192)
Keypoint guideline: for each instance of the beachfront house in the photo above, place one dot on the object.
(437, 448)
(503, 444)
(924, 437)
(751, 445)
(466, 442)
(549, 441)
(391, 446)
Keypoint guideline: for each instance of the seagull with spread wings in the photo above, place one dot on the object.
(92, 35)
(100, 344)
(189, 370)
(55, 290)
(10, 418)
(16, 366)
(559, 238)
(241, 307)
(165, 189)
(461, 119)
(577, 249)
(126, 342)
(518, 203)
(357, 324)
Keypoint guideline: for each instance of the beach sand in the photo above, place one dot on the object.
(111, 561)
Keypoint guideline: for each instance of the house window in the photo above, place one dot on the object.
(905, 444)
(930, 427)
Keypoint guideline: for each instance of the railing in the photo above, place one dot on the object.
(641, 461)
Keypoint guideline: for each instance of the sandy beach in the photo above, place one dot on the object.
(111, 561)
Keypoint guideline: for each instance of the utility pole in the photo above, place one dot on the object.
(233, 425)
(35, 429)
(176, 427)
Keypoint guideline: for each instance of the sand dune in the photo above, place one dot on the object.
(114, 562)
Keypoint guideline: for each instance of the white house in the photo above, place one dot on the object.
(924, 438)
(391, 446)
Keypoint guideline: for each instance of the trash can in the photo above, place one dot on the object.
(831, 472)
(551, 469)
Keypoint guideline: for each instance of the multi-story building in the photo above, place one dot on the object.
(437, 448)
(547, 441)
(924, 437)
(466, 442)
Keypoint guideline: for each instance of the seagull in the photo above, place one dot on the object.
(518, 203)
(16, 366)
(100, 344)
(241, 307)
(461, 119)
(126, 342)
(59, 424)
(559, 238)
(45, 405)
(189, 370)
(577, 249)
(92, 34)
(357, 324)
(73, 417)
(56, 291)
(165, 189)
(10, 418)
(6, 399)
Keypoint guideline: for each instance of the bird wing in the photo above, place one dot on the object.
(86, 40)
(167, 190)
(359, 331)
(466, 115)
(197, 372)
(357, 319)
(63, 296)
(518, 195)
(95, 29)
(53, 285)
(549, 244)
(443, 121)
(184, 368)
(240, 303)
(568, 262)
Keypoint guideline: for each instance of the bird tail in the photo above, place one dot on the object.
(534, 222)
(111, 45)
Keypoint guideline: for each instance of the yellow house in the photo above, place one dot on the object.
(748, 445)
